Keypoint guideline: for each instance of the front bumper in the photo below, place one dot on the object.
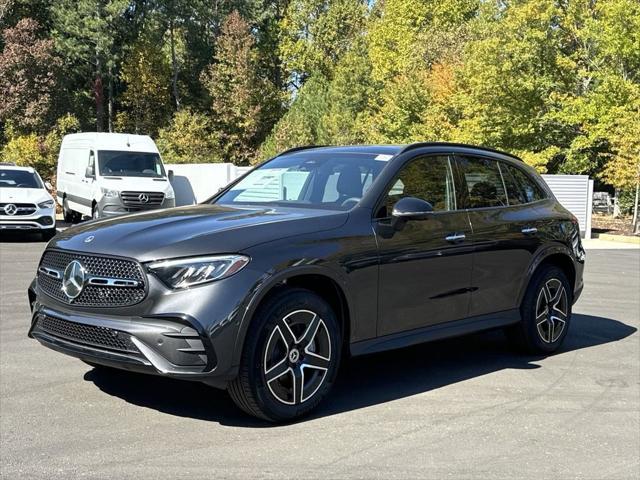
(189, 334)
(167, 346)
(113, 206)
(41, 219)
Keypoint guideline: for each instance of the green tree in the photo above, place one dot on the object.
(242, 102)
(147, 97)
(316, 33)
(85, 32)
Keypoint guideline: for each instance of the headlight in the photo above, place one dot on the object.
(107, 192)
(187, 272)
(170, 194)
(46, 204)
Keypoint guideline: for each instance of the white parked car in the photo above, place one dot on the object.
(25, 203)
(107, 174)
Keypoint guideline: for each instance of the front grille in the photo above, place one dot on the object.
(87, 334)
(93, 295)
(22, 209)
(137, 199)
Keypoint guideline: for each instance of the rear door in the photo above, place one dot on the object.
(425, 268)
(504, 227)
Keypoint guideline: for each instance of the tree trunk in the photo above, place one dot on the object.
(98, 95)
(110, 102)
(636, 223)
(174, 66)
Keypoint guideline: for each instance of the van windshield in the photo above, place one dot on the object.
(130, 164)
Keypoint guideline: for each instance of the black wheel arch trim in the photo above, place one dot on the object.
(266, 285)
(539, 258)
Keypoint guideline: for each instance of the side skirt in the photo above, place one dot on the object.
(455, 328)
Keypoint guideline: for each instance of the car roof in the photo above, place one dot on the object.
(14, 167)
(393, 149)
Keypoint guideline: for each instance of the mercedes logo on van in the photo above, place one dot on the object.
(143, 197)
(73, 279)
(10, 209)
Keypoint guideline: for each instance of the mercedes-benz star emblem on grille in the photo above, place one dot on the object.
(89, 239)
(73, 279)
(10, 209)
(143, 197)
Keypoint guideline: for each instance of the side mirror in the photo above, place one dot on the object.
(411, 208)
(48, 186)
(90, 172)
(170, 175)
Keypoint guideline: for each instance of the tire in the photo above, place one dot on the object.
(69, 215)
(66, 212)
(545, 312)
(295, 333)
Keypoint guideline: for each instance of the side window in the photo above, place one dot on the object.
(484, 182)
(515, 193)
(428, 178)
(530, 189)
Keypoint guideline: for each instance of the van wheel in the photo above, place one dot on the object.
(545, 312)
(68, 214)
(290, 358)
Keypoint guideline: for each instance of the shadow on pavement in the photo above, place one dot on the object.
(363, 381)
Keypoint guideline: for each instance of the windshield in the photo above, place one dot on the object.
(19, 179)
(312, 179)
(130, 164)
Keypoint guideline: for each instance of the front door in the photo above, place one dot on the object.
(425, 268)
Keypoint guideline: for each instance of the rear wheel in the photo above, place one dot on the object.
(290, 357)
(545, 311)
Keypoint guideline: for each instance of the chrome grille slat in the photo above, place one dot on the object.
(132, 199)
(94, 295)
(22, 208)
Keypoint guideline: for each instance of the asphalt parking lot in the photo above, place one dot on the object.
(461, 408)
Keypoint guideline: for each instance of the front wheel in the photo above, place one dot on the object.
(290, 357)
(545, 311)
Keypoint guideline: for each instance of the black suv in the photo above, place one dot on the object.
(318, 253)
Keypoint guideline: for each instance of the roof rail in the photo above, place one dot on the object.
(297, 149)
(7, 164)
(453, 144)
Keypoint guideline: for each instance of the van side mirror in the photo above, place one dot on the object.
(170, 175)
(90, 172)
(48, 186)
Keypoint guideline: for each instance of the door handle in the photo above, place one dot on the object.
(529, 230)
(455, 237)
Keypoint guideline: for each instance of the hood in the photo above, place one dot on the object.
(194, 230)
(136, 184)
(24, 195)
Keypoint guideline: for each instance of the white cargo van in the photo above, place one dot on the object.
(106, 174)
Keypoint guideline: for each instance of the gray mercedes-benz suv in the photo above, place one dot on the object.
(316, 254)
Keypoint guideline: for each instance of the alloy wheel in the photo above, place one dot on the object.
(552, 307)
(297, 357)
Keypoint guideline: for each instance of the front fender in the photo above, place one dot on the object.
(266, 285)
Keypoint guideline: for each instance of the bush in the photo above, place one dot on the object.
(188, 139)
(38, 151)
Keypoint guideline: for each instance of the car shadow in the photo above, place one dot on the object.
(20, 237)
(363, 381)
